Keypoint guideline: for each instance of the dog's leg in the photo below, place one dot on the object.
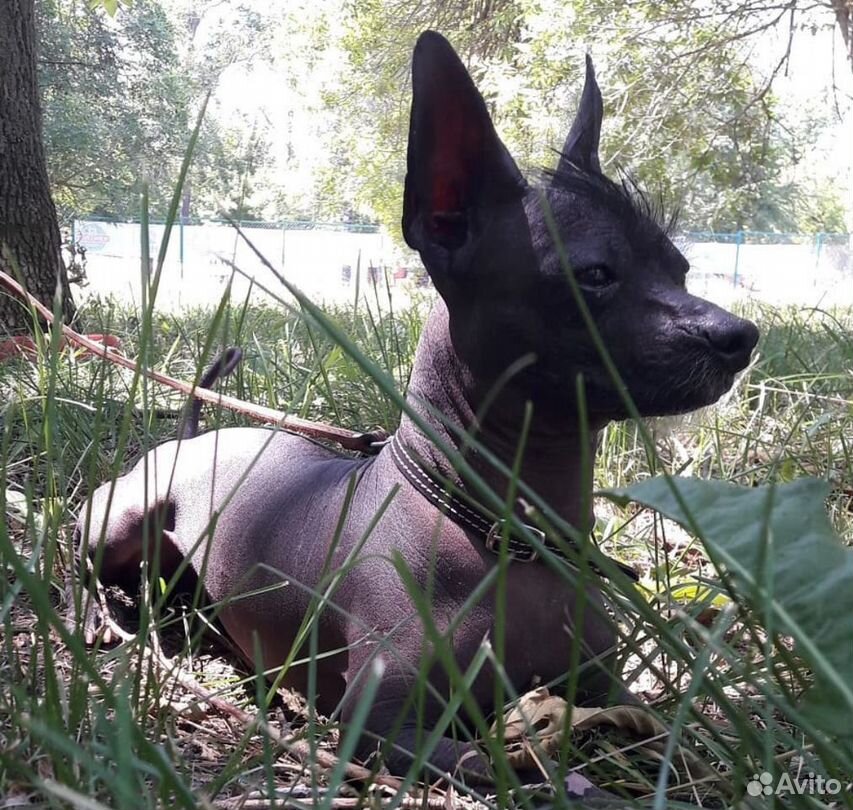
(463, 760)
(399, 744)
(115, 527)
(114, 534)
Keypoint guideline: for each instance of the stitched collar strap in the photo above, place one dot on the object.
(471, 515)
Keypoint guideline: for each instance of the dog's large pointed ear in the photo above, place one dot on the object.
(581, 147)
(455, 160)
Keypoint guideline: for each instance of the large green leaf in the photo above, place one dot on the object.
(786, 564)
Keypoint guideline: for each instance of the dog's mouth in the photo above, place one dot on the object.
(707, 381)
(656, 391)
(715, 387)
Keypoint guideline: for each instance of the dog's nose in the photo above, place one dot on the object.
(732, 339)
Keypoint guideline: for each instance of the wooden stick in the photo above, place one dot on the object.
(350, 439)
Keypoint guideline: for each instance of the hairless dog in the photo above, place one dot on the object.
(263, 516)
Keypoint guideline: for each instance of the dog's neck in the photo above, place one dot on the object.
(553, 462)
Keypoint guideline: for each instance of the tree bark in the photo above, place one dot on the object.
(844, 18)
(29, 232)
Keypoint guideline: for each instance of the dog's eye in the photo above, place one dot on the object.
(596, 277)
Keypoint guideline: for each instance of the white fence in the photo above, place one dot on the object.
(811, 271)
(322, 262)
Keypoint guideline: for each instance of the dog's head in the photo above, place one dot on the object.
(485, 236)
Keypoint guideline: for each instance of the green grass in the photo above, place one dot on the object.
(93, 728)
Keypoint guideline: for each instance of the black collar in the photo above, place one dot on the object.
(476, 518)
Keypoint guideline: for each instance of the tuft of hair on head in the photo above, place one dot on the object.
(628, 197)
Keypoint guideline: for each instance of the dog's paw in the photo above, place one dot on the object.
(473, 765)
(95, 622)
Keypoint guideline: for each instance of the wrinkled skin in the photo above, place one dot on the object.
(483, 234)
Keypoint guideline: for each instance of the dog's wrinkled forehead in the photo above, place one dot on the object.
(598, 219)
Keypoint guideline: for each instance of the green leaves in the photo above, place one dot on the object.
(688, 109)
(786, 565)
(120, 97)
(110, 6)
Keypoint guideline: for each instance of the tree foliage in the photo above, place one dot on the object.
(115, 107)
(120, 93)
(687, 113)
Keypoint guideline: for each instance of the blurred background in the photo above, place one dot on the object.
(735, 114)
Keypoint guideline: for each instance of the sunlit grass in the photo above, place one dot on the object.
(107, 726)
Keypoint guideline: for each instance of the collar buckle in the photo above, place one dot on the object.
(517, 549)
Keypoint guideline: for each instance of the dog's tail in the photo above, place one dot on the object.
(222, 366)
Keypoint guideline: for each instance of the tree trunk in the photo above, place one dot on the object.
(29, 232)
(844, 18)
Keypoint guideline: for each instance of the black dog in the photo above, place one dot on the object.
(257, 510)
